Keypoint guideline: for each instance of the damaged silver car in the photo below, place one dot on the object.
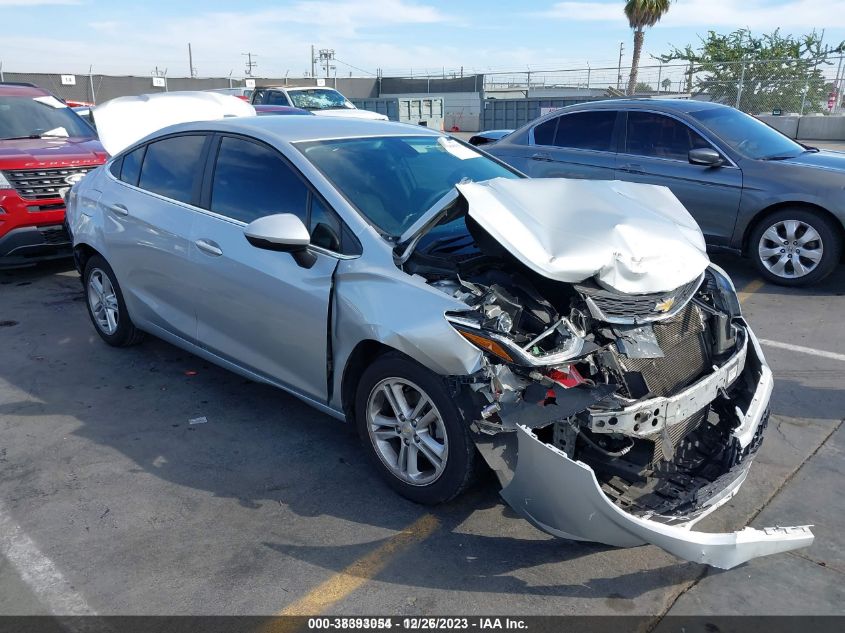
(572, 334)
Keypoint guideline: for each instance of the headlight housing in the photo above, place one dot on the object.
(725, 292)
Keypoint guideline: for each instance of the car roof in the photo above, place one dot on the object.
(301, 128)
(11, 89)
(665, 105)
(296, 88)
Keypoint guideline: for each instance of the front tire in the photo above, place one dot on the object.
(412, 431)
(795, 247)
(106, 306)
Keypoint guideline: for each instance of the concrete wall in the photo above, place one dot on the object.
(462, 110)
(811, 128)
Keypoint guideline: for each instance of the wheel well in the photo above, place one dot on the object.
(789, 205)
(81, 254)
(364, 353)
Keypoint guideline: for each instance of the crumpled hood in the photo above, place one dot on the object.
(33, 153)
(633, 238)
(126, 120)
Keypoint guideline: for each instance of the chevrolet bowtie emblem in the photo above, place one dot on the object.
(664, 305)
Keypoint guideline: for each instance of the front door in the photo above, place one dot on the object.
(656, 151)
(258, 308)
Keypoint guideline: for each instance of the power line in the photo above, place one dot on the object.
(355, 67)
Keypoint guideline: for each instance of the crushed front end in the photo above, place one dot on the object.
(617, 417)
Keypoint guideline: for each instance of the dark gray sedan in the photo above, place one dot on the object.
(751, 189)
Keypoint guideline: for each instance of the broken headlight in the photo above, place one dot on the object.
(536, 352)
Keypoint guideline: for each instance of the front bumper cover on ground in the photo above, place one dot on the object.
(563, 497)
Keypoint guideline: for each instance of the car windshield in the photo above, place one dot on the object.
(39, 117)
(318, 99)
(747, 135)
(394, 180)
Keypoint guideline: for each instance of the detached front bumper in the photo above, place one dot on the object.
(564, 498)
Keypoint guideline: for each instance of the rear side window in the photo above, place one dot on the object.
(131, 168)
(586, 130)
(276, 97)
(251, 181)
(171, 167)
(544, 134)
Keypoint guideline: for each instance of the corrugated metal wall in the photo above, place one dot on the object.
(509, 114)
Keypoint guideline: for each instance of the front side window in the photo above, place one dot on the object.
(40, 117)
(747, 135)
(659, 136)
(392, 181)
(251, 180)
(171, 166)
(276, 97)
(586, 130)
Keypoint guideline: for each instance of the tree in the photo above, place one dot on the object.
(759, 73)
(642, 87)
(642, 14)
(666, 83)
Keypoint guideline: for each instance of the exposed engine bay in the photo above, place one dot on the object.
(576, 351)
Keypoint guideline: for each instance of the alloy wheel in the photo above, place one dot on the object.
(790, 249)
(102, 300)
(407, 431)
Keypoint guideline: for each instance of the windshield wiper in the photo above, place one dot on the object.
(780, 157)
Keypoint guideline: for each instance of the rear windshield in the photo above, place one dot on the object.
(394, 180)
(40, 117)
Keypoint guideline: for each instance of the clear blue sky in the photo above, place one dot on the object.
(122, 37)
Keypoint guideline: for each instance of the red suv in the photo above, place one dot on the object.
(45, 148)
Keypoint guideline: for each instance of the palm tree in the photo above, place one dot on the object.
(642, 14)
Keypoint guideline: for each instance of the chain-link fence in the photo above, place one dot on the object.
(779, 86)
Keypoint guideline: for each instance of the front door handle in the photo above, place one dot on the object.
(545, 156)
(119, 209)
(208, 247)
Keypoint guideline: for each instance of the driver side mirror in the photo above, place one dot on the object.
(283, 232)
(706, 156)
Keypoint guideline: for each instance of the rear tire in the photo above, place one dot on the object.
(425, 453)
(106, 306)
(795, 247)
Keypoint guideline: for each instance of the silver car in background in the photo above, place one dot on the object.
(573, 334)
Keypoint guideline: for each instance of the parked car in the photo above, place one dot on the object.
(44, 149)
(271, 110)
(320, 101)
(244, 94)
(751, 189)
(572, 333)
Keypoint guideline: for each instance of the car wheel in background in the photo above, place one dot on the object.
(412, 430)
(795, 247)
(106, 306)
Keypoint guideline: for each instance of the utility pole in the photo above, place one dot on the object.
(191, 69)
(326, 56)
(90, 82)
(619, 69)
(313, 63)
(249, 63)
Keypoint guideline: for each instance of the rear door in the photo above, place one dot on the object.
(656, 150)
(258, 308)
(575, 145)
(148, 215)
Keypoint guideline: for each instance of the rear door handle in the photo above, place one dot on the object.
(209, 247)
(119, 209)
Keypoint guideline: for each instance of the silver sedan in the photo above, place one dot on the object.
(571, 334)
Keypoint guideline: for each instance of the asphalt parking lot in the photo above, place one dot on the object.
(112, 503)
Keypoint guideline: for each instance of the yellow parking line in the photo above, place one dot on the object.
(749, 289)
(365, 568)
